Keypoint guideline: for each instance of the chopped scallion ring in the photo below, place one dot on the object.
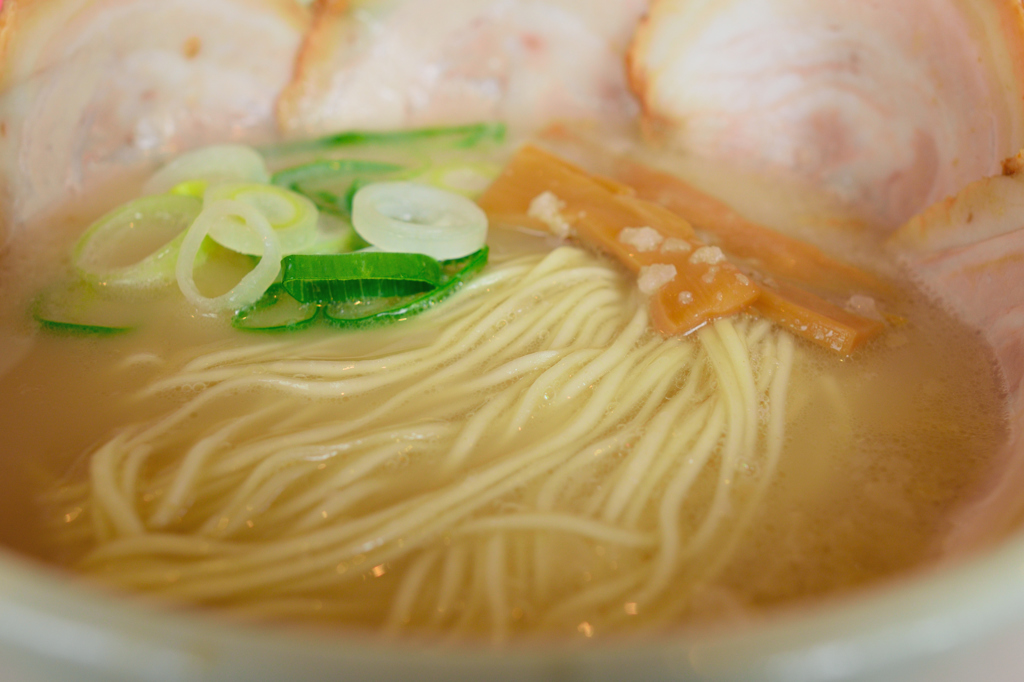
(331, 184)
(136, 245)
(80, 309)
(334, 235)
(293, 217)
(467, 179)
(276, 311)
(252, 287)
(412, 218)
(359, 313)
(190, 188)
(219, 163)
(361, 275)
(461, 136)
(321, 171)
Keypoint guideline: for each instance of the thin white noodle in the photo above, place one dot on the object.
(545, 418)
(497, 599)
(404, 601)
(564, 523)
(452, 577)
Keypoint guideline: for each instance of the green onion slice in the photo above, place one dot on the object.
(190, 188)
(359, 276)
(292, 216)
(215, 164)
(334, 235)
(276, 311)
(331, 184)
(320, 171)
(81, 309)
(255, 283)
(136, 245)
(469, 179)
(462, 136)
(357, 313)
(407, 217)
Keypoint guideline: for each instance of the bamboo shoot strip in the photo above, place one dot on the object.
(690, 282)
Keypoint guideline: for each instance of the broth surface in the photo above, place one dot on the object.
(881, 449)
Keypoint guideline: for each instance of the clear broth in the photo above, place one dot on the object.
(882, 450)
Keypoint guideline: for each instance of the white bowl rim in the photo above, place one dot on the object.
(53, 621)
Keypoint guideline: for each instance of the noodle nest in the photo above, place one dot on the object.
(527, 457)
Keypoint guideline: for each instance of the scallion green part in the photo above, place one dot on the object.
(358, 313)
(277, 311)
(358, 276)
(332, 184)
(463, 136)
(75, 329)
(296, 176)
(79, 309)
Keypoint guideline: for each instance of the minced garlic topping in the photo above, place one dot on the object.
(864, 306)
(712, 255)
(654, 277)
(547, 208)
(675, 245)
(643, 239)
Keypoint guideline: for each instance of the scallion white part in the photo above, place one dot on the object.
(136, 245)
(255, 283)
(465, 178)
(215, 164)
(293, 217)
(413, 218)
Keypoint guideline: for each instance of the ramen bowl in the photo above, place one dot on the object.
(956, 618)
(959, 623)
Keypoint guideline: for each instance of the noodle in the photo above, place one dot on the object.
(448, 479)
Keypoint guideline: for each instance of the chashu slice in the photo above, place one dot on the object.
(887, 106)
(90, 88)
(968, 251)
(380, 64)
